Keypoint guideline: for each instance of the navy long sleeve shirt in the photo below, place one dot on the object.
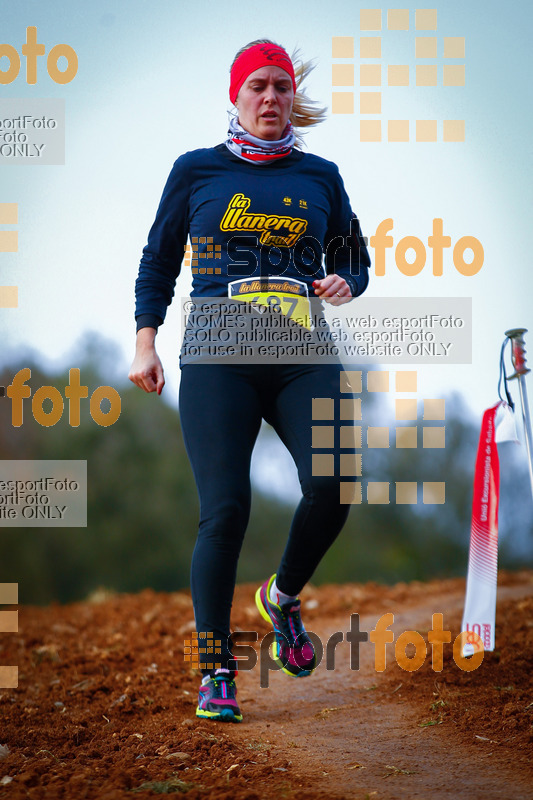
(245, 220)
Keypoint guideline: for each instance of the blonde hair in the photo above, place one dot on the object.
(305, 112)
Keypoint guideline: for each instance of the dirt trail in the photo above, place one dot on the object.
(105, 705)
(358, 733)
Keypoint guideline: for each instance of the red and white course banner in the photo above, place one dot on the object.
(480, 603)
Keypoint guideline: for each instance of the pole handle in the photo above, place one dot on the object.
(518, 351)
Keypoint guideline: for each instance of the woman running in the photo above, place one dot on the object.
(255, 192)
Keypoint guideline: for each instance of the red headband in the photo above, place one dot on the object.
(260, 55)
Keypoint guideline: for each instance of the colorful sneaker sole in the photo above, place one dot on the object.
(225, 715)
(303, 673)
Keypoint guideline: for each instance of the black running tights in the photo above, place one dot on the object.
(221, 408)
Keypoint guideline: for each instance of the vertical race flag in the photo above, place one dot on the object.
(497, 426)
(480, 605)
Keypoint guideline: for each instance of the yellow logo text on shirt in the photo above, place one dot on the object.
(280, 231)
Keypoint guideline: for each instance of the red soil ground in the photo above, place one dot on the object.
(105, 705)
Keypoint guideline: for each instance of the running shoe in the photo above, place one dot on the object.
(293, 648)
(217, 699)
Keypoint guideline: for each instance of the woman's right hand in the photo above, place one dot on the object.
(146, 371)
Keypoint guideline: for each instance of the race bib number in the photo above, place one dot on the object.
(288, 296)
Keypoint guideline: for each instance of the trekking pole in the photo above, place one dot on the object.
(518, 357)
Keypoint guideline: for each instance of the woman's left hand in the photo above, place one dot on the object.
(333, 289)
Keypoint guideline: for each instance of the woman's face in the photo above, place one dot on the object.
(265, 102)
